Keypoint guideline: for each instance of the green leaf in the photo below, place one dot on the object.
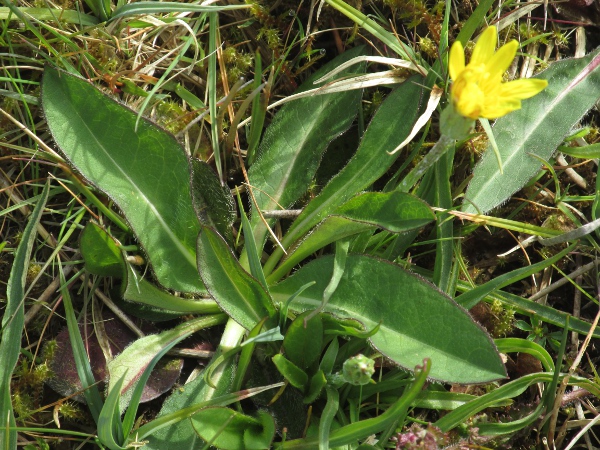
(396, 212)
(254, 263)
(327, 232)
(447, 401)
(145, 172)
(139, 290)
(240, 295)
(507, 391)
(350, 434)
(146, 8)
(292, 146)
(476, 294)
(534, 132)
(591, 151)
(110, 428)
(416, 320)
(81, 357)
(516, 345)
(180, 434)
(369, 163)
(13, 322)
(317, 383)
(328, 416)
(290, 371)
(212, 202)
(231, 430)
(132, 362)
(50, 14)
(303, 341)
(100, 252)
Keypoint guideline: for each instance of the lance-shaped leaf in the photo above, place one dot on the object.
(230, 430)
(132, 362)
(144, 171)
(370, 162)
(213, 203)
(416, 319)
(292, 147)
(237, 292)
(531, 135)
(397, 212)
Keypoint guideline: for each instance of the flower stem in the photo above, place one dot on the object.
(444, 144)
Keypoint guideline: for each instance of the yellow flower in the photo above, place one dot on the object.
(477, 89)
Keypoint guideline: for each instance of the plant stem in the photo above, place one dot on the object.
(438, 150)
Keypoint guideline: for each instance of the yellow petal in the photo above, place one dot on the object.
(484, 49)
(456, 63)
(471, 101)
(500, 108)
(523, 88)
(503, 58)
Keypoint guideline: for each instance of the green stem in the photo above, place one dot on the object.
(439, 149)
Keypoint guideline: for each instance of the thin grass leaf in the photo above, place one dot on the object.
(13, 322)
(509, 390)
(350, 434)
(184, 413)
(82, 362)
(329, 412)
(213, 23)
(250, 246)
(475, 295)
(110, 428)
(375, 29)
(146, 8)
(50, 15)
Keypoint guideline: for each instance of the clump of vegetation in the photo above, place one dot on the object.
(293, 225)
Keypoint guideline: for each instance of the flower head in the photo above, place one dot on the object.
(478, 90)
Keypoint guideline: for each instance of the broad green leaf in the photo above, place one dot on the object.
(139, 290)
(416, 320)
(132, 362)
(328, 231)
(370, 162)
(230, 430)
(396, 212)
(293, 144)
(100, 252)
(240, 295)
(393, 211)
(213, 203)
(181, 434)
(303, 341)
(13, 321)
(144, 171)
(538, 128)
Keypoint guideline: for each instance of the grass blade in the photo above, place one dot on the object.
(13, 323)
